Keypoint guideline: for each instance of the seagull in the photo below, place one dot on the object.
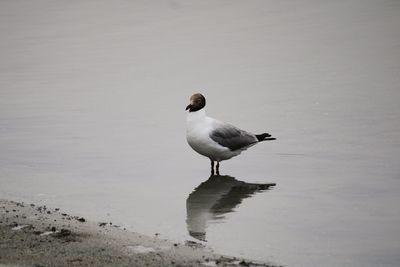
(215, 139)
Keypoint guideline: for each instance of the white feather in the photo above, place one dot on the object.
(198, 129)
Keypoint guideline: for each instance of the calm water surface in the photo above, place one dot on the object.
(92, 120)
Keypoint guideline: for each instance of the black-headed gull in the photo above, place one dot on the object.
(215, 139)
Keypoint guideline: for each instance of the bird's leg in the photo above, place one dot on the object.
(217, 169)
(212, 167)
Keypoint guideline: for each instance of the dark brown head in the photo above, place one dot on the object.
(197, 102)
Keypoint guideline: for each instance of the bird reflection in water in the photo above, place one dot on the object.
(212, 199)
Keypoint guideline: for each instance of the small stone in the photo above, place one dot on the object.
(63, 233)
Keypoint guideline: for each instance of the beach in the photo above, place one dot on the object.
(40, 236)
(93, 123)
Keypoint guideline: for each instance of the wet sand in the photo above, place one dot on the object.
(34, 235)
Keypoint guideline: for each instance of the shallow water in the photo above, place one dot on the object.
(92, 120)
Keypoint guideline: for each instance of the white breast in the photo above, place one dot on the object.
(198, 129)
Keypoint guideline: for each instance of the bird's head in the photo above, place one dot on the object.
(197, 102)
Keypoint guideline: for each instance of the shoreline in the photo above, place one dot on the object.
(40, 236)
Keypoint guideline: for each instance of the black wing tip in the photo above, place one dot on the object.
(264, 137)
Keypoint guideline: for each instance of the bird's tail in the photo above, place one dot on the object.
(264, 137)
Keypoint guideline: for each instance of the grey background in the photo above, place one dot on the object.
(92, 120)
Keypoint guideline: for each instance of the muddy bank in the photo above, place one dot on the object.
(40, 236)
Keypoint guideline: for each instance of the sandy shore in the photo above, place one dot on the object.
(34, 235)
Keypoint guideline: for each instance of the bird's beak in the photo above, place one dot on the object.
(188, 107)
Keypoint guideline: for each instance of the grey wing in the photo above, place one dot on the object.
(231, 137)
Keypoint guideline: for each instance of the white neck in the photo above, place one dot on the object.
(196, 115)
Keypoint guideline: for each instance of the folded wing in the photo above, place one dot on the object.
(232, 137)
